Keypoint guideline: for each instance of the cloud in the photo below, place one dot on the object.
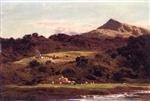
(64, 26)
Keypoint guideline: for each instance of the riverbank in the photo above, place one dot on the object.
(65, 90)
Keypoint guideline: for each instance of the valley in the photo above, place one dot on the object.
(108, 60)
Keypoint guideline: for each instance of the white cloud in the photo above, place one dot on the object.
(66, 26)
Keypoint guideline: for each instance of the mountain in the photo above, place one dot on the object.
(114, 28)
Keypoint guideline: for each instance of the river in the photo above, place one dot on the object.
(132, 96)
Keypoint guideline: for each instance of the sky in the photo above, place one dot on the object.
(20, 17)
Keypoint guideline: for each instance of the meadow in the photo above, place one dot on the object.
(58, 57)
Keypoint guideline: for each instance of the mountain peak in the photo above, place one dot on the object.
(111, 24)
(115, 28)
(112, 21)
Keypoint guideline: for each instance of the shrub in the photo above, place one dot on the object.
(91, 77)
(42, 68)
(114, 55)
(48, 62)
(34, 63)
(98, 56)
(118, 76)
(98, 70)
(68, 72)
(32, 82)
(81, 61)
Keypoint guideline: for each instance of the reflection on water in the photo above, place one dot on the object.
(134, 96)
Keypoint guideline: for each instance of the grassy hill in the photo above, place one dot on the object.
(57, 57)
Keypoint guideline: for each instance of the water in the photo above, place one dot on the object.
(130, 96)
(134, 96)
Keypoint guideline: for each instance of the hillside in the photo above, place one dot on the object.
(15, 49)
(129, 63)
(57, 57)
(114, 28)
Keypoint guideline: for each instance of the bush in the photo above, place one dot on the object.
(98, 71)
(48, 62)
(34, 63)
(118, 76)
(124, 72)
(42, 68)
(114, 55)
(68, 72)
(32, 82)
(98, 56)
(91, 77)
(81, 61)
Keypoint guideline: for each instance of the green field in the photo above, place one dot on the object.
(90, 86)
(58, 57)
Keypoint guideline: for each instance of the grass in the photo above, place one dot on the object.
(80, 86)
(61, 57)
